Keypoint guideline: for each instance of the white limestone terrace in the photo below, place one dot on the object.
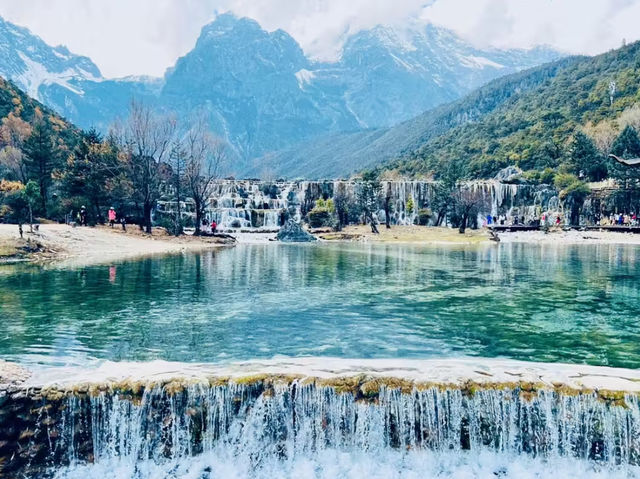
(11, 375)
(446, 372)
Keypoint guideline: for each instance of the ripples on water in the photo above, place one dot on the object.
(544, 303)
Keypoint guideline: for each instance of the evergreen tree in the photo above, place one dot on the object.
(369, 198)
(42, 156)
(89, 174)
(585, 159)
(627, 145)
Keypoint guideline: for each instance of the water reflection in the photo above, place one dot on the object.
(545, 303)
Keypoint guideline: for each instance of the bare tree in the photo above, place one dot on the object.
(387, 205)
(145, 139)
(205, 155)
(177, 161)
(368, 199)
(467, 202)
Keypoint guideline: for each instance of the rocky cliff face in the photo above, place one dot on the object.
(259, 90)
(35, 66)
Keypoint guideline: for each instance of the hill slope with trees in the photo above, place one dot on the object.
(344, 154)
(587, 100)
(528, 119)
(51, 169)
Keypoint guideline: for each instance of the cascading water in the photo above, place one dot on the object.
(256, 204)
(305, 429)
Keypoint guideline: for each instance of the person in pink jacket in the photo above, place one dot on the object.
(112, 216)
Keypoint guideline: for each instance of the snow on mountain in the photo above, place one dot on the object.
(304, 77)
(258, 88)
(32, 64)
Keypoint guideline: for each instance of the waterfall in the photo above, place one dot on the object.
(255, 204)
(263, 425)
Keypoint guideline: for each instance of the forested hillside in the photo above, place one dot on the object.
(50, 169)
(528, 119)
(536, 129)
(34, 144)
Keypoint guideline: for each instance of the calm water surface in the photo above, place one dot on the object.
(576, 304)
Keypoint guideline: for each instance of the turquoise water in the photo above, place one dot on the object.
(577, 304)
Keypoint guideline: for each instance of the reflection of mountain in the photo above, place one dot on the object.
(258, 88)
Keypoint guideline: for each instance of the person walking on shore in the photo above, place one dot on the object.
(83, 216)
(112, 217)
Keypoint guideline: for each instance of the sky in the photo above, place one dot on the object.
(145, 37)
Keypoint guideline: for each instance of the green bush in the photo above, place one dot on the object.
(424, 215)
(411, 205)
(319, 217)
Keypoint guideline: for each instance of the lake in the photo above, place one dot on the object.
(578, 304)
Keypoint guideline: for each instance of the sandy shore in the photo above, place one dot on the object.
(67, 246)
(407, 234)
(570, 237)
(431, 235)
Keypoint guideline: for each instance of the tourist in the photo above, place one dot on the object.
(489, 220)
(495, 220)
(558, 220)
(214, 226)
(83, 216)
(123, 222)
(112, 216)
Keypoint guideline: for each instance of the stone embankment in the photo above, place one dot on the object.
(61, 416)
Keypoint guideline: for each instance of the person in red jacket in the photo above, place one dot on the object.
(112, 216)
(214, 226)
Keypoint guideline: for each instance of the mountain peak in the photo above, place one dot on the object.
(258, 88)
(32, 63)
(228, 23)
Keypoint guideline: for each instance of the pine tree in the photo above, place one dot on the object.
(42, 156)
(586, 160)
(90, 173)
(627, 145)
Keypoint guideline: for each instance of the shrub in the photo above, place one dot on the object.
(410, 206)
(319, 217)
(322, 214)
(424, 215)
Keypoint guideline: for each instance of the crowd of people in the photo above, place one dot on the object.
(81, 218)
(620, 220)
(547, 219)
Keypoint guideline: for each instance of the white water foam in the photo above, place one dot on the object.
(335, 464)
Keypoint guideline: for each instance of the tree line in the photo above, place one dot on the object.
(143, 158)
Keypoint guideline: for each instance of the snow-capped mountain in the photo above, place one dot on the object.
(32, 64)
(252, 85)
(258, 88)
(392, 75)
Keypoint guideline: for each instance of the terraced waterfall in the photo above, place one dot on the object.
(280, 425)
(253, 204)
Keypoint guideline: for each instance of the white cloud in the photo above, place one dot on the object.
(126, 37)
